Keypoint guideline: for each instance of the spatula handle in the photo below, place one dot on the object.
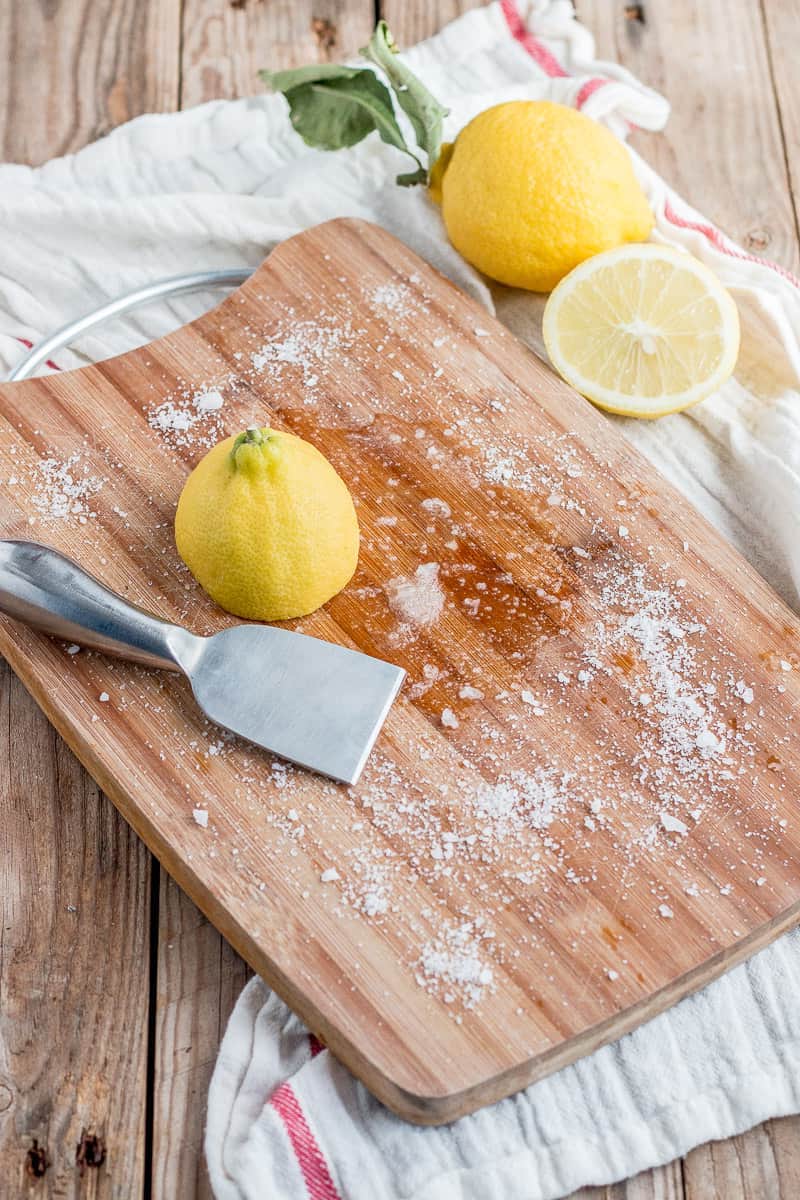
(46, 589)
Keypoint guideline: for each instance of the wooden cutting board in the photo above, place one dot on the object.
(584, 804)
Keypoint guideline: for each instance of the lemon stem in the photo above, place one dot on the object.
(254, 436)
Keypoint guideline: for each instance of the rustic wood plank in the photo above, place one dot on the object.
(74, 981)
(663, 1183)
(782, 24)
(722, 148)
(762, 1164)
(75, 951)
(225, 44)
(199, 979)
(412, 20)
(74, 71)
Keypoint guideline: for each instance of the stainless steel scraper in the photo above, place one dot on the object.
(315, 703)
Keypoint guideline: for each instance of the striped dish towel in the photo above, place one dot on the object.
(218, 186)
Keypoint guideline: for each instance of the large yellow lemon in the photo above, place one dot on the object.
(530, 189)
(267, 527)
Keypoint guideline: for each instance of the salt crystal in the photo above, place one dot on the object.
(785, 666)
(73, 649)
(104, 697)
(439, 508)
(623, 531)
(612, 975)
(417, 600)
(470, 693)
(329, 876)
(673, 824)
(209, 401)
(201, 817)
(449, 719)
(664, 910)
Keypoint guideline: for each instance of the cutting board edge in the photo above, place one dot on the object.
(411, 1105)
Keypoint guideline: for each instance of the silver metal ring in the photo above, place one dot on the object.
(175, 285)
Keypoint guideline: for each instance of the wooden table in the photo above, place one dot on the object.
(114, 990)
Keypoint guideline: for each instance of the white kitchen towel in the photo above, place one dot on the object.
(219, 186)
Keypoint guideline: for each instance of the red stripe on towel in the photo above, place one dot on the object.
(719, 242)
(49, 362)
(310, 1159)
(537, 50)
(588, 89)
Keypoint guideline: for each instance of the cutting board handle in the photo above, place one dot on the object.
(49, 591)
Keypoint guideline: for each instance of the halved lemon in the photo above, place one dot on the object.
(642, 330)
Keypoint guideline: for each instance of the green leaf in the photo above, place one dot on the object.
(332, 107)
(423, 110)
(282, 81)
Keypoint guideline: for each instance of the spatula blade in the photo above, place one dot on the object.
(313, 702)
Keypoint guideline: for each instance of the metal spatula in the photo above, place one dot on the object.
(315, 703)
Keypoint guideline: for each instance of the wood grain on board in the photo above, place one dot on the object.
(500, 908)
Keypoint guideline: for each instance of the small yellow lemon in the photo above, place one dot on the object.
(267, 527)
(530, 189)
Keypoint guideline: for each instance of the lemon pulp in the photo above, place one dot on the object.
(642, 330)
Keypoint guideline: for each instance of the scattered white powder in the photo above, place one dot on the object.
(522, 799)
(190, 419)
(439, 508)
(394, 296)
(201, 817)
(308, 346)
(453, 966)
(64, 489)
(417, 601)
